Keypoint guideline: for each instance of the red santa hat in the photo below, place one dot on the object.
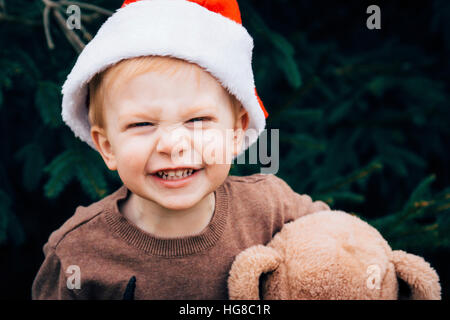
(206, 32)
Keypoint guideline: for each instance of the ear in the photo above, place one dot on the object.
(241, 125)
(103, 145)
(418, 274)
(243, 281)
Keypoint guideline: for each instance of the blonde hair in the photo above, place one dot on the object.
(126, 69)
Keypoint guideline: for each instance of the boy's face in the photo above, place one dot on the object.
(150, 124)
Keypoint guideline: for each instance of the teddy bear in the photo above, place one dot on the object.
(329, 255)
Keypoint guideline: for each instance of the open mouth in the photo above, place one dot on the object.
(176, 175)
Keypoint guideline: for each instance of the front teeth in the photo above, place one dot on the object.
(174, 175)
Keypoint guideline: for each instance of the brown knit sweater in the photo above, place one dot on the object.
(110, 251)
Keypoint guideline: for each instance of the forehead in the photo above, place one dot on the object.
(193, 90)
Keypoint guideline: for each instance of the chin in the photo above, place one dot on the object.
(176, 206)
(179, 204)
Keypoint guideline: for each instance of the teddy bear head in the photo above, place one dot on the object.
(329, 255)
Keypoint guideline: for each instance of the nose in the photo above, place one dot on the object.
(172, 141)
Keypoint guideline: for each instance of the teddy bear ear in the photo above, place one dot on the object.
(418, 274)
(243, 280)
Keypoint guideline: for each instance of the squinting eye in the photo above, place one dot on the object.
(140, 124)
(200, 118)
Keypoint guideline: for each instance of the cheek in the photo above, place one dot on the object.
(132, 156)
(215, 145)
(217, 172)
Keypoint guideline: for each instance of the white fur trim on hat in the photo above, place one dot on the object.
(176, 28)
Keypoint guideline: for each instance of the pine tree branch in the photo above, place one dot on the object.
(89, 18)
(308, 86)
(8, 18)
(86, 34)
(87, 6)
(2, 6)
(45, 18)
(424, 229)
(353, 177)
(443, 207)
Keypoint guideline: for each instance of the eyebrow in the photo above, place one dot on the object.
(193, 110)
(197, 109)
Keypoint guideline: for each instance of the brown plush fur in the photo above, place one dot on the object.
(329, 255)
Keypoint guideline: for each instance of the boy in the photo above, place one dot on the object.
(182, 75)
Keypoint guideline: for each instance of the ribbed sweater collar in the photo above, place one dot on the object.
(167, 247)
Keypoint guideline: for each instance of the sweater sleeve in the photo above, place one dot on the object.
(50, 281)
(293, 205)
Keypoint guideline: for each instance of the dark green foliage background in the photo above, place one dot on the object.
(363, 116)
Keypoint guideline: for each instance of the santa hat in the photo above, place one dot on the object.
(206, 32)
